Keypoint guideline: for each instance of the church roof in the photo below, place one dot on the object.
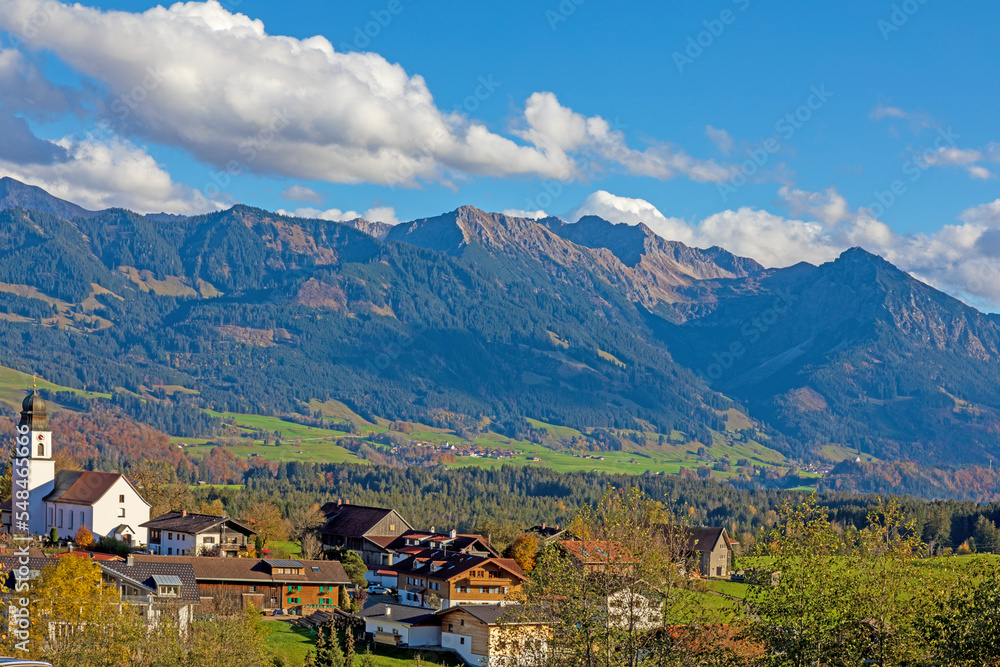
(82, 487)
(33, 414)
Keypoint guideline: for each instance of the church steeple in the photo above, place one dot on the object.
(33, 414)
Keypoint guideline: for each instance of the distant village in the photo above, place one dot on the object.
(413, 587)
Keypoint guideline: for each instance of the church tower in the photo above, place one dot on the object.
(41, 468)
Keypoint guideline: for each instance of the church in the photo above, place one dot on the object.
(106, 503)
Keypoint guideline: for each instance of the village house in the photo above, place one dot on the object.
(594, 555)
(366, 531)
(158, 591)
(414, 541)
(439, 579)
(546, 534)
(492, 635)
(710, 549)
(106, 503)
(187, 534)
(287, 586)
(401, 625)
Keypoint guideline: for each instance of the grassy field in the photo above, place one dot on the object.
(14, 384)
(293, 643)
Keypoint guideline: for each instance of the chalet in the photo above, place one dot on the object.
(414, 541)
(439, 579)
(156, 590)
(366, 531)
(492, 635)
(401, 625)
(187, 534)
(293, 586)
(709, 549)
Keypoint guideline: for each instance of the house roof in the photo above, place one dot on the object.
(398, 613)
(452, 564)
(84, 487)
(193, 524)
(443, 541)
(254, 569)
(150, 574)
(139, 573)
(594, 551)
(92, 555)
(284, 563)
(353, 520)
(490, 614)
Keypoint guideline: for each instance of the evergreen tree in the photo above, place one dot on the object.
(349, 652)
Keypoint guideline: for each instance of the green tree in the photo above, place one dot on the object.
(349, 652)
(353, 566)
(964, 626)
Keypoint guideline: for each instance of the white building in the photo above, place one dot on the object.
(399, 625)
(188, 534)
(106, 503)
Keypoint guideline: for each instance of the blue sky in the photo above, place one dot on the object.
(674, 98)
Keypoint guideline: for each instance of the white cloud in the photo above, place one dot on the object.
(102, 173)
(632, 211)
(722, 140)
(332, 214)
(385, 214)
(828, 206)
(301, 193)
(964, 158)
(881, 111)
(218, 85)
(531, 215)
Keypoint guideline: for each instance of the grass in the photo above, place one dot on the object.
(14, 384)
(292, 644)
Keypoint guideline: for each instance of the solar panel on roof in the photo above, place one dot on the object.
(315, 569)
(167, 580)
(284, 563)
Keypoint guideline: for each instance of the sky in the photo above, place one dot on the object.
(785, 132)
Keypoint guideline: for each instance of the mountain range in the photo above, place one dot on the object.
(499, 318)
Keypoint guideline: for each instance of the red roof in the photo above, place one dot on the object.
(91, 555)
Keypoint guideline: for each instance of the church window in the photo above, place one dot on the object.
(41, 449)
(50, 515)
(60, 518)
(121, 498)
(71, 518)
(81, 517)
(121, 513)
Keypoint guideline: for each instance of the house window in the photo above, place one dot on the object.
(462, 640)
(170, 536)
(60, 518)
(451, 628)
(71, 518)
(461, 621)
(294, 600)
(392, 526)
(170, 551)
(121, 513)
(209, 540)
(121, 498)
(81, 518)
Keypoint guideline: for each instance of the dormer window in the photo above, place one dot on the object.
(169, 591)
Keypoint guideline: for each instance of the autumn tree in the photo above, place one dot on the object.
(83, 538)
(267, 522)
(524, 551)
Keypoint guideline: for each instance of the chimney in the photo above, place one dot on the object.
(388, 610)
(347, 502)
(543, 525)
(184, 512)
(130, 561)
(340, 501)
(432, 529)
(453, 533)
(557, 526)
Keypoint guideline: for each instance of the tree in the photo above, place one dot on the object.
(258, 546)
(54, 535)
(345, 599)
(353, 566)
(312, 548)
(964, 626)
(81, 617)
(625, 607)
(349, 652)
(267, 522)
(524, 551)
(83, 538)
(305, 520)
